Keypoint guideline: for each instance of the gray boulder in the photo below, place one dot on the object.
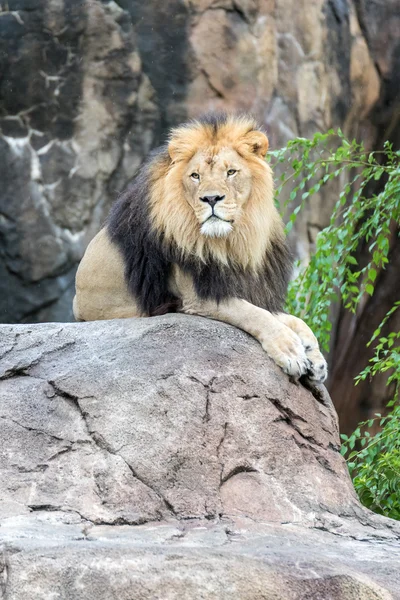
(170, 458)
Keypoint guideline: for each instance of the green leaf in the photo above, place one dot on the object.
(369, 289)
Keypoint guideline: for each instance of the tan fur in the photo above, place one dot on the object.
(178, 212)
(101, 291)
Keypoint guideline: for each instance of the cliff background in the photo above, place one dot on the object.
(87, 88)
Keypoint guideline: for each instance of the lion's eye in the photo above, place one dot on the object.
(195, 176)
(231, 172)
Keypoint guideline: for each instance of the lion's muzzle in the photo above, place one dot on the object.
(212, 200)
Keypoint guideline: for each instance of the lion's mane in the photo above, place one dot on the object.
(154, 227)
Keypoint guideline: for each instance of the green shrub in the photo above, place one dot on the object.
(364, 218)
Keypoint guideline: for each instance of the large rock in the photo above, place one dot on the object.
(170, 458)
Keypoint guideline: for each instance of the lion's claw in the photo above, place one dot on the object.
(318, 370)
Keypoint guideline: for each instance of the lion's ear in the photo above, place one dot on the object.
(182, 142)
(174, 149)
(257, 143)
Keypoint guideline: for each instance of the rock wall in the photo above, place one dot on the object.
(78, 115)
(141, 459)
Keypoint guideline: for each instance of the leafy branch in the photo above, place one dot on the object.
(333, 271)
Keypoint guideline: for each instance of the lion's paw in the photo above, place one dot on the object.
(318, 369)
(287, 351)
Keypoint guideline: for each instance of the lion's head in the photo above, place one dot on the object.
(212, 192)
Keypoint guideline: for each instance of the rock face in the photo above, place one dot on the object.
(77, 117)
(170, 458)
(87, 88)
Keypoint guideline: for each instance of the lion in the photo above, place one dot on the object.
(197, 232)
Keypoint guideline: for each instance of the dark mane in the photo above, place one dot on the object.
(218, 119)
(147, 268)
(215, 120)
(267, 288)
(149, 259)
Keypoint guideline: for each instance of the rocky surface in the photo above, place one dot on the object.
(170, 458)
(87, 88)
(77, 117)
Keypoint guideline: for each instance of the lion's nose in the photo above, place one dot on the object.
(212, 200)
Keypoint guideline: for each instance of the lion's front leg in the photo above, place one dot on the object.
(279, 342)
(318, 367)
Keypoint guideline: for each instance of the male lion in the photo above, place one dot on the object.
(197, 231)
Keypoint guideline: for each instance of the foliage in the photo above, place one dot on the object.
(356, 219)
(375, 468)
(364, 219)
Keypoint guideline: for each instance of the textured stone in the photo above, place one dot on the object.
(169, 457)
(77, 118)
(189, 455)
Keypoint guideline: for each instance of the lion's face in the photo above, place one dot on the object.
(217, 185)
(212, 192)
